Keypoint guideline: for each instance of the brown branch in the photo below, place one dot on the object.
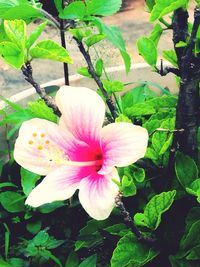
(28, 73)
(129, 222)
(91, 70)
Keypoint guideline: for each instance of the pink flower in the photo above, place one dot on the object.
(78, 153)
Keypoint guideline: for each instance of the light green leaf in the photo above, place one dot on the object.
(7, 4)
(156, 34)
(94, 39)
(11, 54)
(163, 7)
(39, 109)
(89, 262)
(130, 252)
(140, 109)
(84, 71)
(28, 180)
(139, 219)
(127, 186)
(170, 56)
(48, 49)
(4, 263)
(147, 50)
(23, 11)
(16, 32)
(75, 10)
(186, 169)
(35, 34)
(156, 207)
(99, 67)
(139, 174)
(103, 7)
(12, 202)
(113, 86)
(194, 189)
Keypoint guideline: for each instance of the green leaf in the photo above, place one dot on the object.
(16, 262)
(194, 189)
(35, 34)
(139, 174)
(99, 67)
(89, 262)
(103, 7)
(186, 169)
(7, 184)
(156, 207)
(16, 32)
(75, 10)
(72, 260)
(139, 219)
(170, 56)
(147, 50)
(117, 229)
(84, 71)
(58, 4)
(150, 4)
(39, 109)
(4, 263)
(50, 207)
(41, 238)
(156, 34)
(54, 243)
(194, 253)
(140, 109)
(11, 54)
(28, 180)
(191, 239)
(12, 202)
(94, 39)
(34, 227)
(115, 37)
(130, 252)
(181, 44)
(113, 86)
(48, 49)
(163, 7)
(128, 187)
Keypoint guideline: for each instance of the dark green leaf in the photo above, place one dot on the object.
(89, 262)
(12, 202)
(28, 180)
(130, 252)
(72, 260)
(186, 169)
(34, 227)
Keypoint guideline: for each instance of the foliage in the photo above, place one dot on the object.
(161, 198)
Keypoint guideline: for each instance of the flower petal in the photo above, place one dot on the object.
(97, 194)
(122, 144)
(82, 111)
(58, 185)
(42, 146)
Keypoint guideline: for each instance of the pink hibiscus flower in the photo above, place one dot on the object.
(78, 153)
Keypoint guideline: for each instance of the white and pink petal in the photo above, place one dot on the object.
(122, 144)
(59, 185)
(97, 194)
(83, 113)
(42, 146)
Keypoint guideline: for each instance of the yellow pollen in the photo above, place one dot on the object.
(42, 135)
(30, 142)
(47, 142)
(34, 134)
(40, 147)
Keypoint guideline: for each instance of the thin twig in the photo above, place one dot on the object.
(50, 17)
(28, 73)
(129, 222)
(91, 70)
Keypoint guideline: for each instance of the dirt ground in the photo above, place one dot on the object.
(133, 23)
